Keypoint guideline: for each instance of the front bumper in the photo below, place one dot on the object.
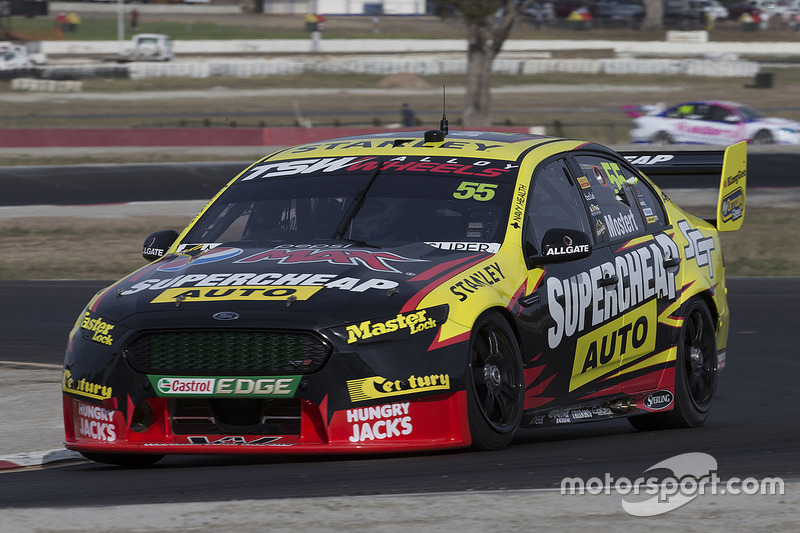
(294, 426)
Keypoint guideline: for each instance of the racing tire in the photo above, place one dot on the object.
(495, 383)
(123, 459)
(763, 137)
(662, 138)
(695, 374)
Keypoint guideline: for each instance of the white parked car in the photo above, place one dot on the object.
(710, 122)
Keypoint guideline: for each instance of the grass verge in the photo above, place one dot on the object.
(76, 248)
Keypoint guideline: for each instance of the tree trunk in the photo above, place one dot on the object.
(653, 16)
(477, 107)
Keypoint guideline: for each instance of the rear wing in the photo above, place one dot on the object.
(670, 168)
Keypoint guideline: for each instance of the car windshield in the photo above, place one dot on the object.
(425, 200)
(750, 113)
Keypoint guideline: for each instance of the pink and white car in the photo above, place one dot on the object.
(710, 122)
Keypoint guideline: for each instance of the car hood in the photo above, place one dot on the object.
(291, 286)
(775, 122)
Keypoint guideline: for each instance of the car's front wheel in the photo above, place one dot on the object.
(495, 383)
(124, 459)
(662, 138)
(695, 374)
(763, 137)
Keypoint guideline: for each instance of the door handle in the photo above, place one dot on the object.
(669, 263)
(608, 281)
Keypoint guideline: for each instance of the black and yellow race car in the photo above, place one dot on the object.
(411, 291)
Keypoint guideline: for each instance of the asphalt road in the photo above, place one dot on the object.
(100, 184)
(753, 429)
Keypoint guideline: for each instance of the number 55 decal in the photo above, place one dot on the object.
(483, 192)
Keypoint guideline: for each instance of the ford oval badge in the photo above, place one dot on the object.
(226, 315)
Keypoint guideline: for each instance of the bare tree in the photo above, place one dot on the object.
(653, 15)
(489, 23)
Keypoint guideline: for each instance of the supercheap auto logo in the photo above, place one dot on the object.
(377, 387)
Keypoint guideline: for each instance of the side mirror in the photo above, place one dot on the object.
(157, 243)
(560, 245)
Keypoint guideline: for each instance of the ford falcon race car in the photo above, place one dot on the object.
(411, 291)
(709, 122)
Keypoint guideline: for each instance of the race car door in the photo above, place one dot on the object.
(627, 346)
(565, 288)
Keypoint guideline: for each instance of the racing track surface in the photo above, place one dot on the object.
(753, 429)
(100, 184)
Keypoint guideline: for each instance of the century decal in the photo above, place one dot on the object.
(377, 387)
(580, 302)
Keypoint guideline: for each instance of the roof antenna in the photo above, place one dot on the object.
(443, 123)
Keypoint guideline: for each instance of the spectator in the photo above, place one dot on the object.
(407, 116)
(134, 19)
(61, 21)
(73, 21)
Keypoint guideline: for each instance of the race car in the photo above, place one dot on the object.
(411, 291)
(709, 122)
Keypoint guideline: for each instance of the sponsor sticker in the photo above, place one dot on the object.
(658, 400)
(379, 422)
(96, 329)
(398, 327)
(95, 423)
(377, 387)
(84, 387)
(225, 387)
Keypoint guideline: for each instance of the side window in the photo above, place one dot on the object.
(555, 202)
(608, 190)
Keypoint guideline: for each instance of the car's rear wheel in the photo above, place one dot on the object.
(662, 138)
(695, 374)
(763, 137)
(124, 459)
(495, 383)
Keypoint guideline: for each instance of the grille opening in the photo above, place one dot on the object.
(226, 352)
(212, 416)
